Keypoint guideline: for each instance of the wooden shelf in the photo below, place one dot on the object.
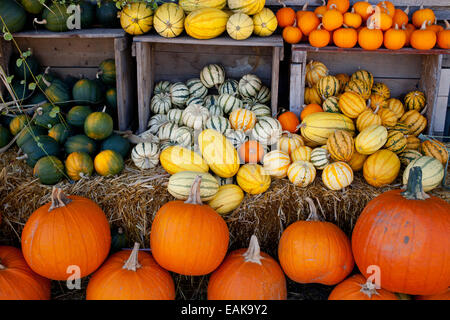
(83, 34)
(309, 48)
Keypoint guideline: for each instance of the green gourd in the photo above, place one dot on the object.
(49, 170)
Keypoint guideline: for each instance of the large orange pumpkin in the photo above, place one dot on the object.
(400, 17)
(315, 251)
(406, 235)
(188, 237)
(248, 274)
(130, 275)
(345, 37)
(332, 19)
(289, 121)
(440, 296)
(68, 231)
(308, 22)
(17, 280)
(359, 288)
(423, 16)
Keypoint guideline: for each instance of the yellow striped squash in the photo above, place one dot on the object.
(357, 161)
(337, 175)
(432, 172)
(318, 126)
(276, 163)
(331, 104)
(240, 26)
(249, 7)
(363, 75)
(400, 127)
(328, 86)
(371, 139)
(265, 23)
(206, 23)
(415, 100)
(341, 146)
(175, 159)
(343, 80)
(351, 104)
(136, 18)
(169, 20)
(253, 179)
(301, 173)
(358, 86)
(242, 119)
(377, 101)
(219, 153)
(415, 122)
(436, 149)
(180, 185)
(381, 168)
(412, 143)
(409, 155)
(396, 141)
(289, 142)
(302, 153)
(381, 89)
(315, 70)
(227, 198)
(368, 118)
(388, 118)
(312, 96)
(320, 157)
(396, 106)
(192, 5)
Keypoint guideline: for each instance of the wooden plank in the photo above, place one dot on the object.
(444, 84)
(77, 72)
(145, 74)
(95, 33)
(275, 79)
(124, 85)
(399, 87)
(440, 115)
(216, 50)
(297, 78)
(429, 83)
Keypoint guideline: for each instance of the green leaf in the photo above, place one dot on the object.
(7, 36)
(19, 62)
(23, 82)
(32, 86)
(54, 112)
(9, 79)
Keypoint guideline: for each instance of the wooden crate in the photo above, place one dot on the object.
(401, 70)
(181, 58)
(79, 53)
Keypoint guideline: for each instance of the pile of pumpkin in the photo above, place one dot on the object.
(370, 26)
(71, 120)
(205, 19)
(20, 14)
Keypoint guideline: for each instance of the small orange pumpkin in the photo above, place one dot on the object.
(401, 17)
(308, 22)
(319, 38)
(285, 17)
(394, 38)
(332, 19)
(345, 37)
(340, 5)
(251, 152)
(409, 29)
(370, 38)
(352, 19)
(423, 39)
(292, 35)
(387, 7)
(320, 10)
(310, 108)
(443, 37)
(301, 12)
(364, 9)
(435, 27)
(380, 20)
(289, 121)
(422, 16)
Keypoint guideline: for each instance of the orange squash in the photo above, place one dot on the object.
(423, 16)
(320, 10)
(340, 5)
(319, 38)
(364, 9)
(352, 19)
(251, 152)
(387, 7)
(423, 39)
(359, 288)
(440, 296)
(409, 29)
(380, 20)
(308, 22)
(292, 35)
(345, 37)
(300, 13)
(332, 19)
(394, 38)
(370, 38)
(285, 16)
(400, 17)
(310, 108)
(443, 37)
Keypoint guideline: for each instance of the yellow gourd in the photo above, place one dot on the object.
(253, 179)
(240, 26)
(265, 23)
(206, 23)
(228, 198)
(136, 18)
(175, 159)
(169, 20)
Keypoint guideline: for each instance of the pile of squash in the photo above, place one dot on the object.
(201, 19)
(369, 26)
(64, 128)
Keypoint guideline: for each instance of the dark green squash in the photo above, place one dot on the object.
(87, 91)
(58, 92)
(13, 15)
(87, 14)
(55, 17)
(116, 143)
(21, 92)
(119, 239)
(98, 125)
(29, 133)
(5, 120)
(18, 123)
(29, 66)
(107, 14)
(40, 146)
(60, 132)
(45, 80)
(5, 136)
(45, 117)
(32, 6)
(111, 98)
(80, 143)
(49, 170)
(37, 98)
(77, 115)
(107, 71)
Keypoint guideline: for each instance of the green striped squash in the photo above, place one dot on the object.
(107, 71)
(267, 130)
(58, 92)
(400, 127)
(77, 115)
(415, 100)
(196, 88)
(195, 116)
(331, 104)
(236, 137)
(211, 100)
(5, 136)
(38, 147)
(60, 132)
(328, 86)
(49, 170)
(168, 143)
(320, 158)
(185, 137)
(160, 103)
(195, 100)
(156, 122)
(30, 132)
(230, 86)
(145, 155)
(80, 143)
(249, 86)
(409, 155)
(360, 87)
(180, 185)
(212, 75)
(248, 103)
(396, 141)
(218, 123)
(55, 17)
(179, 93)
(168, 131)
(263, 95)
(98, 125)
(162, 87)
(261, 110)
(229, 103)
(365, 76)
(432, 172)
(174, 116)
(215, 110)
(116, 143)
(13, 14)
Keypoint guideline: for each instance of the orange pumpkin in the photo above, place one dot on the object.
(423, 39)
(188, 237)
(440, 296)
(320, 10)
(315, 251)
(409, 29)
(370, 38)
(400, 17)
(319, 38)
(131, 275)
(352, 19)
(387, 7)
(443, 37)
(248, 274)
(285, 17)
(289, 121)
(68, 231)
(394, 38)
(17, 280)
(251, 152)
(345, 37)
(380, 20)
(310, 108)
(308, 22)
(364, 9)
(292, 35)
(332, 19)
(423, 16)
(359, 288)
(301, 12)
(340, 5)
(435, 27)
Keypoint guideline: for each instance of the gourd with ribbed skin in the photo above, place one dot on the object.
(219, 153)
(160, 103)
(318, 126)
(357, 161)
(341, 146)
(13, 14)
(215, 110)
(28, 133)
(302, 153)
(363, 75)
(192, 5)
(320, 158)
(412, 143)
(388, 118)
(218, 123)
(289, 142)
(381, 168)
(276, 163)
(351, 104)
(263, 95)
(415, 100)
(371, 139)
(396, 142)
(179, 93)
(267, 130)
(358, 86)
(38, 147)
(328, 86)
(54, 17)
(301, 173)
(145, 155)
(136, 18)
(415, 122)
(368, 118)
(156, 122)
(229, 103)
(185, 137)
(80, 143)
(261, 110)
(315, 70)
(87, 91)
(108, 163)
(357, 287)
(396, 106)
(230, 86)
(381, 89)
(195, 100)
(162, 87)
(377, 101)
(79, 165)
(409, 155)
(169, 20)
(180, 185)
(77, 115)
(337, 175)
(400, 127)
(432, 172)
(5, 136)
(107, 71)
(242, 119)
(265, 23)
(240, 26)
(227, 198)
(175, 159)
(195, 116)
(18, 123)
(98, 125)
(174, 116)
(436, 149)
(49, 170)
(196, 88)
(331, 104)
(312, 96)
(249, 7)
(253, 179)
(212, 75)
(249, 86)
(206, 23)
(236, 137)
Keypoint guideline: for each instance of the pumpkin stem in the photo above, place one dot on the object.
(22, 157)
(369, 289)
(424, 110)
(313, 216)
(306, 5)
(253, 252)
(39, 22)
(333, 6)
(59, 199)
(376, 109)
(194, 195)
(98, 74)
(406, 10)
(48, 84)
(424, 25)
(2, 267)
(447, 25)
(132, 263)
(414, 189)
